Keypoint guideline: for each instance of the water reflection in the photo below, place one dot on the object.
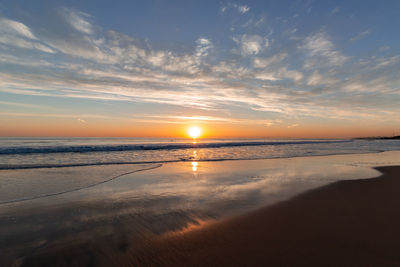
(194, 166)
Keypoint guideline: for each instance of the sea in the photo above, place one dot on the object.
(27, 152)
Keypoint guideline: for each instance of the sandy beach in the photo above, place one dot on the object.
(347, 223)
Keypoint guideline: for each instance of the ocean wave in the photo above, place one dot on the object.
(136, 147)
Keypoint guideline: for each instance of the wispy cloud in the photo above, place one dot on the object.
(361, 35)
(243, 8)
(321, 51)
(55, 115)
(335, 10)
(78, 20)
(203, 47)
(18, 104)
(316, 78)
(260, 62)
(239, 8)
(13, 27)
(389, 61)
(251, 44)
(15, 33)
(185, 119)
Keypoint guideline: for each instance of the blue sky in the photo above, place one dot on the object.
(276, 68)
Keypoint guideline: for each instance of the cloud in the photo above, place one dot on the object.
(273, 68)
(267, 76)
(270, 61)
(242, 9)
(177, 119)
(361, 35)
(370, 84)
(15, 28)
(78, 20)
(15, 60)
(17, 104)
(384, 62)
(251, 44)
(293, 126)
(54, 115)
(17, 34)
(203, 47)
(321, 51)
(21, 43)
(335, 10)
(316, 79)
(291, 74)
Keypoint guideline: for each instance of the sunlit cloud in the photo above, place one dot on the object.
(176, 119)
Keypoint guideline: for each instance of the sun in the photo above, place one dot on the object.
(194, 132)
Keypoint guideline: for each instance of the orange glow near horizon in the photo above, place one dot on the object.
(118, 127)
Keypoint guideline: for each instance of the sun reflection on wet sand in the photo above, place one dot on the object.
(194, 166)
(200, 223)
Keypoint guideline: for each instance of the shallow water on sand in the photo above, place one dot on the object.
(43, 207)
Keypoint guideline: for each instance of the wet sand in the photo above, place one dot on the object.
(347, 223)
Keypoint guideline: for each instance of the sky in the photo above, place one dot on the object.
(287, 69)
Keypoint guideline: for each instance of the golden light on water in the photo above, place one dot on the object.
(194, 132)
(194, 166)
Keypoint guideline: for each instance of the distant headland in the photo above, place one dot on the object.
(397, 137)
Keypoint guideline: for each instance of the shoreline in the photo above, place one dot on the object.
(346, 223)
(28, 167)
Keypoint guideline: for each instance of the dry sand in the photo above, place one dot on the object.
(347, 223)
